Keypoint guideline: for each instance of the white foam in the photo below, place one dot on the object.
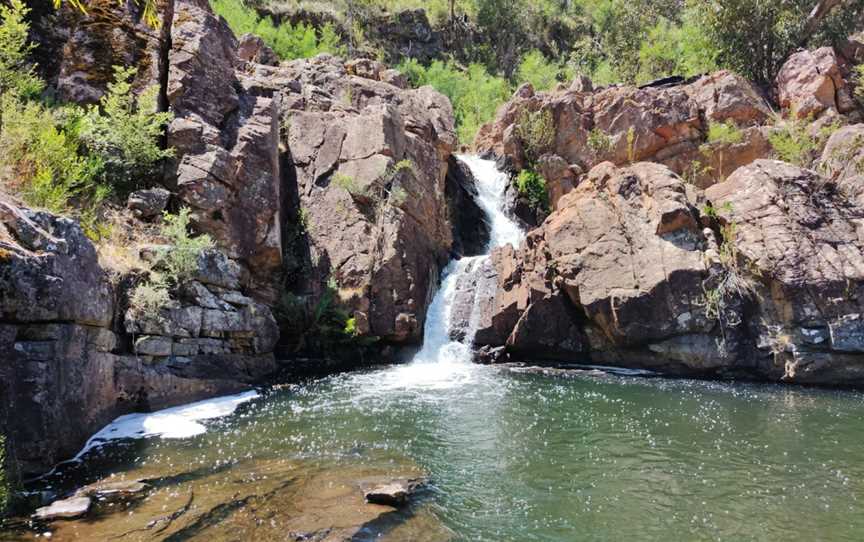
(171, 423)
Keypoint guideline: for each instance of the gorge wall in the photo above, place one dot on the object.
(669, 251)
(365, 158)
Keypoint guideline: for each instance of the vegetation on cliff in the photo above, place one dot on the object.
(67, 158)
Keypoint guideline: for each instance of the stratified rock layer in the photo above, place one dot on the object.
(623, 273)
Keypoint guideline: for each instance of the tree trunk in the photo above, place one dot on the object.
(819, 12)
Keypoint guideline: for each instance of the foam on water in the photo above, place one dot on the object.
(173, 423)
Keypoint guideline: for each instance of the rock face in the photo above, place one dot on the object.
(843, 160)
(622, 124)
(69, 367)
(624, 274)
(226, 136)
(810, 83)
(370, 161)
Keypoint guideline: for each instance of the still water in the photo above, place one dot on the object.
(518, 457)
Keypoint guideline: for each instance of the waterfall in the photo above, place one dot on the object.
(451, 321)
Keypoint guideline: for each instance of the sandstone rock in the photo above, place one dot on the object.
(808, 82)
(71, 508)
(78, 51)
(251, 48)
(619, 265)
(49, 271)
(147, 204)
(383, 252)
(396, 493)
(801, 239)
(470, 227)
(843, 160)
(113, 491)
(663, 123)
(226, 133)
(725, 96)
(153, 346)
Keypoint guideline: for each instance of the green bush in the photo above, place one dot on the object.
(533, 186)
(755, 37)
(793, 140)
(537, 70)
(17, 77)
(124, 132)
(173, 266)
(287, 41)
(859, 87)
(474, 93)
(724, 133)
(40, 155)
(671, 48)
(536, 130)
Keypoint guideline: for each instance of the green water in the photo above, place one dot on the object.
(524, 457)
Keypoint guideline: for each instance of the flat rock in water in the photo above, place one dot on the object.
(395, 493)
(71, 508)
(114, 491)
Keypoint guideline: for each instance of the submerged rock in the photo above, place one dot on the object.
(71, 508)
(395, 493)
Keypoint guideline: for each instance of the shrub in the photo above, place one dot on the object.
(474, 93)
(181, 259)
(599, 142)
(17, 77)
(724, 133)
(671, 48)
(40, 156)
(537, 70)
(173, 266)
(287, 41)
(755, 37)
(536, 130)
(150, 296)
(125, 132)
(533, 186)
(348, 184)
(794, 142)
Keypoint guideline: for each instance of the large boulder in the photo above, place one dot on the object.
(666, 124)
(226, 136)
(809, 82)
(801, 239)
(624, 274)
(370, 161)
(620, 265)
(843, 160)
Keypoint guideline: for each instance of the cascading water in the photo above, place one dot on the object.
(443, 360)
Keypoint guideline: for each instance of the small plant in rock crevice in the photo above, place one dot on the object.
(536, 131)
(173, 265)
(599, 142)
(532, 185)
(727, 286)
(793, 140)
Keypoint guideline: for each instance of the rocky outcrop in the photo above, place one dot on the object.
(70, 367)
(370, 161)
(468, 222)
(78, 51)
(843, 161)
(811, 83)
(621, 124)
(226, 137)
(624, 274)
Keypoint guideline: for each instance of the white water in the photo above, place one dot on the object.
(173, 423)
(442, 362)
